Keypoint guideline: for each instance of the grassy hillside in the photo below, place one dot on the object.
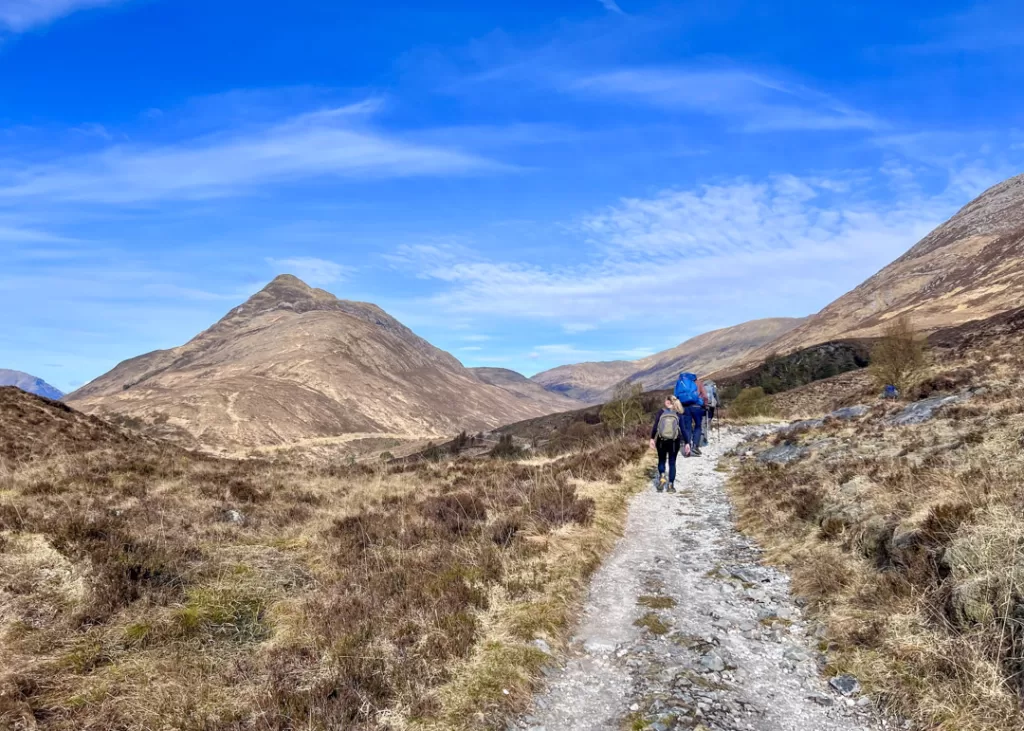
(907, 538)
(144, 583)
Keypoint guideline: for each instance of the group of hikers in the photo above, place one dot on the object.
(680, 425)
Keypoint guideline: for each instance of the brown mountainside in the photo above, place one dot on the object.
(586, 382)
(295, 363)
(969, 268)
(35, 427)
(521, 386)
(712, 351)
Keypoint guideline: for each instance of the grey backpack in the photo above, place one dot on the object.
(668, 426)
(712, 391)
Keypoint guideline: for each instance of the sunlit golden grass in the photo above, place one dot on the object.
(908, 542)
(146, 587)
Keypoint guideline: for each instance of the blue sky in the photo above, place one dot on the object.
(524, 184)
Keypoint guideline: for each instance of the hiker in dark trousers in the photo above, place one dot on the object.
(667, 435)
(690, 392)
(710, 407)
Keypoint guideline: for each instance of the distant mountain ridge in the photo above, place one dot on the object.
(30, 383)
(294, 363)
(969, 268)
(518, 384)
(704, 354)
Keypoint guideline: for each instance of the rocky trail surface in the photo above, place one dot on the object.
(685, 629)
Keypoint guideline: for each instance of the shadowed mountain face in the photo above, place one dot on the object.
(33, 427)
(295, 363)
(29, 383)
(704, 354)
(969, 268)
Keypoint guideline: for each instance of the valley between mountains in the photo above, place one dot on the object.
(308, 517)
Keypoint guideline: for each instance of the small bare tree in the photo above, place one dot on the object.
(626, 407)
(899, 356)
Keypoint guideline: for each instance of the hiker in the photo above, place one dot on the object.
(891, 393)
(666, 437)
(690, 392)
(710, 407)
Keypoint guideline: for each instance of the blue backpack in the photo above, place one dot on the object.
(687, 391)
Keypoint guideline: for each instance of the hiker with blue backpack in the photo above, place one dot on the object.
(690, 392)
(667, 435)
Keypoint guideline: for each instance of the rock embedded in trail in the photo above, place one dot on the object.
(846, 685)
(713, 663)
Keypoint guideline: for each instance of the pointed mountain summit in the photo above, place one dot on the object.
(969, 268)
(294, 363)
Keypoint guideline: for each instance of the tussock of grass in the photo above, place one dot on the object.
(147, 587)
(908, 544)
(656, 602)
(652, 623)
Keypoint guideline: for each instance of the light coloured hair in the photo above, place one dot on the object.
(677, 406)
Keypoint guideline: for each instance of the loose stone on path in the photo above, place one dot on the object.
(684, 629)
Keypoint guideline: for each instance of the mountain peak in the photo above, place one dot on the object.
(287, 280)
(288, 287)
(287, 292)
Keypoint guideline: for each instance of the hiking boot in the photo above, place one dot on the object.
(697, 452)
(671, 487)
(661, 483)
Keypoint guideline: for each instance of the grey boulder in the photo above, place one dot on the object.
(783, 454)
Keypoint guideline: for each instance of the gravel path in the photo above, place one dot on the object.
(725, 647)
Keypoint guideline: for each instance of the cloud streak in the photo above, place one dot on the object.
(18, 16)
(330, 144)
(785, 245)
(318, 272)
(759, 102)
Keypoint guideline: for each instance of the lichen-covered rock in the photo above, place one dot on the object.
(971, 602)
(783, 454)
(802, 425)
(857, 487)
(850, 412)
(922, 411)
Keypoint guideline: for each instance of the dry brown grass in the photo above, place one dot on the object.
(146, 587)
(908, 543)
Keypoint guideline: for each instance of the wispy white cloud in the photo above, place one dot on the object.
(20, 15)
(334, 143)
(987, 27)
(314, 271)
(611, 6)
(757, 101)
(784, 245)
(575, 328)
(567, 352)
(16, 234)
